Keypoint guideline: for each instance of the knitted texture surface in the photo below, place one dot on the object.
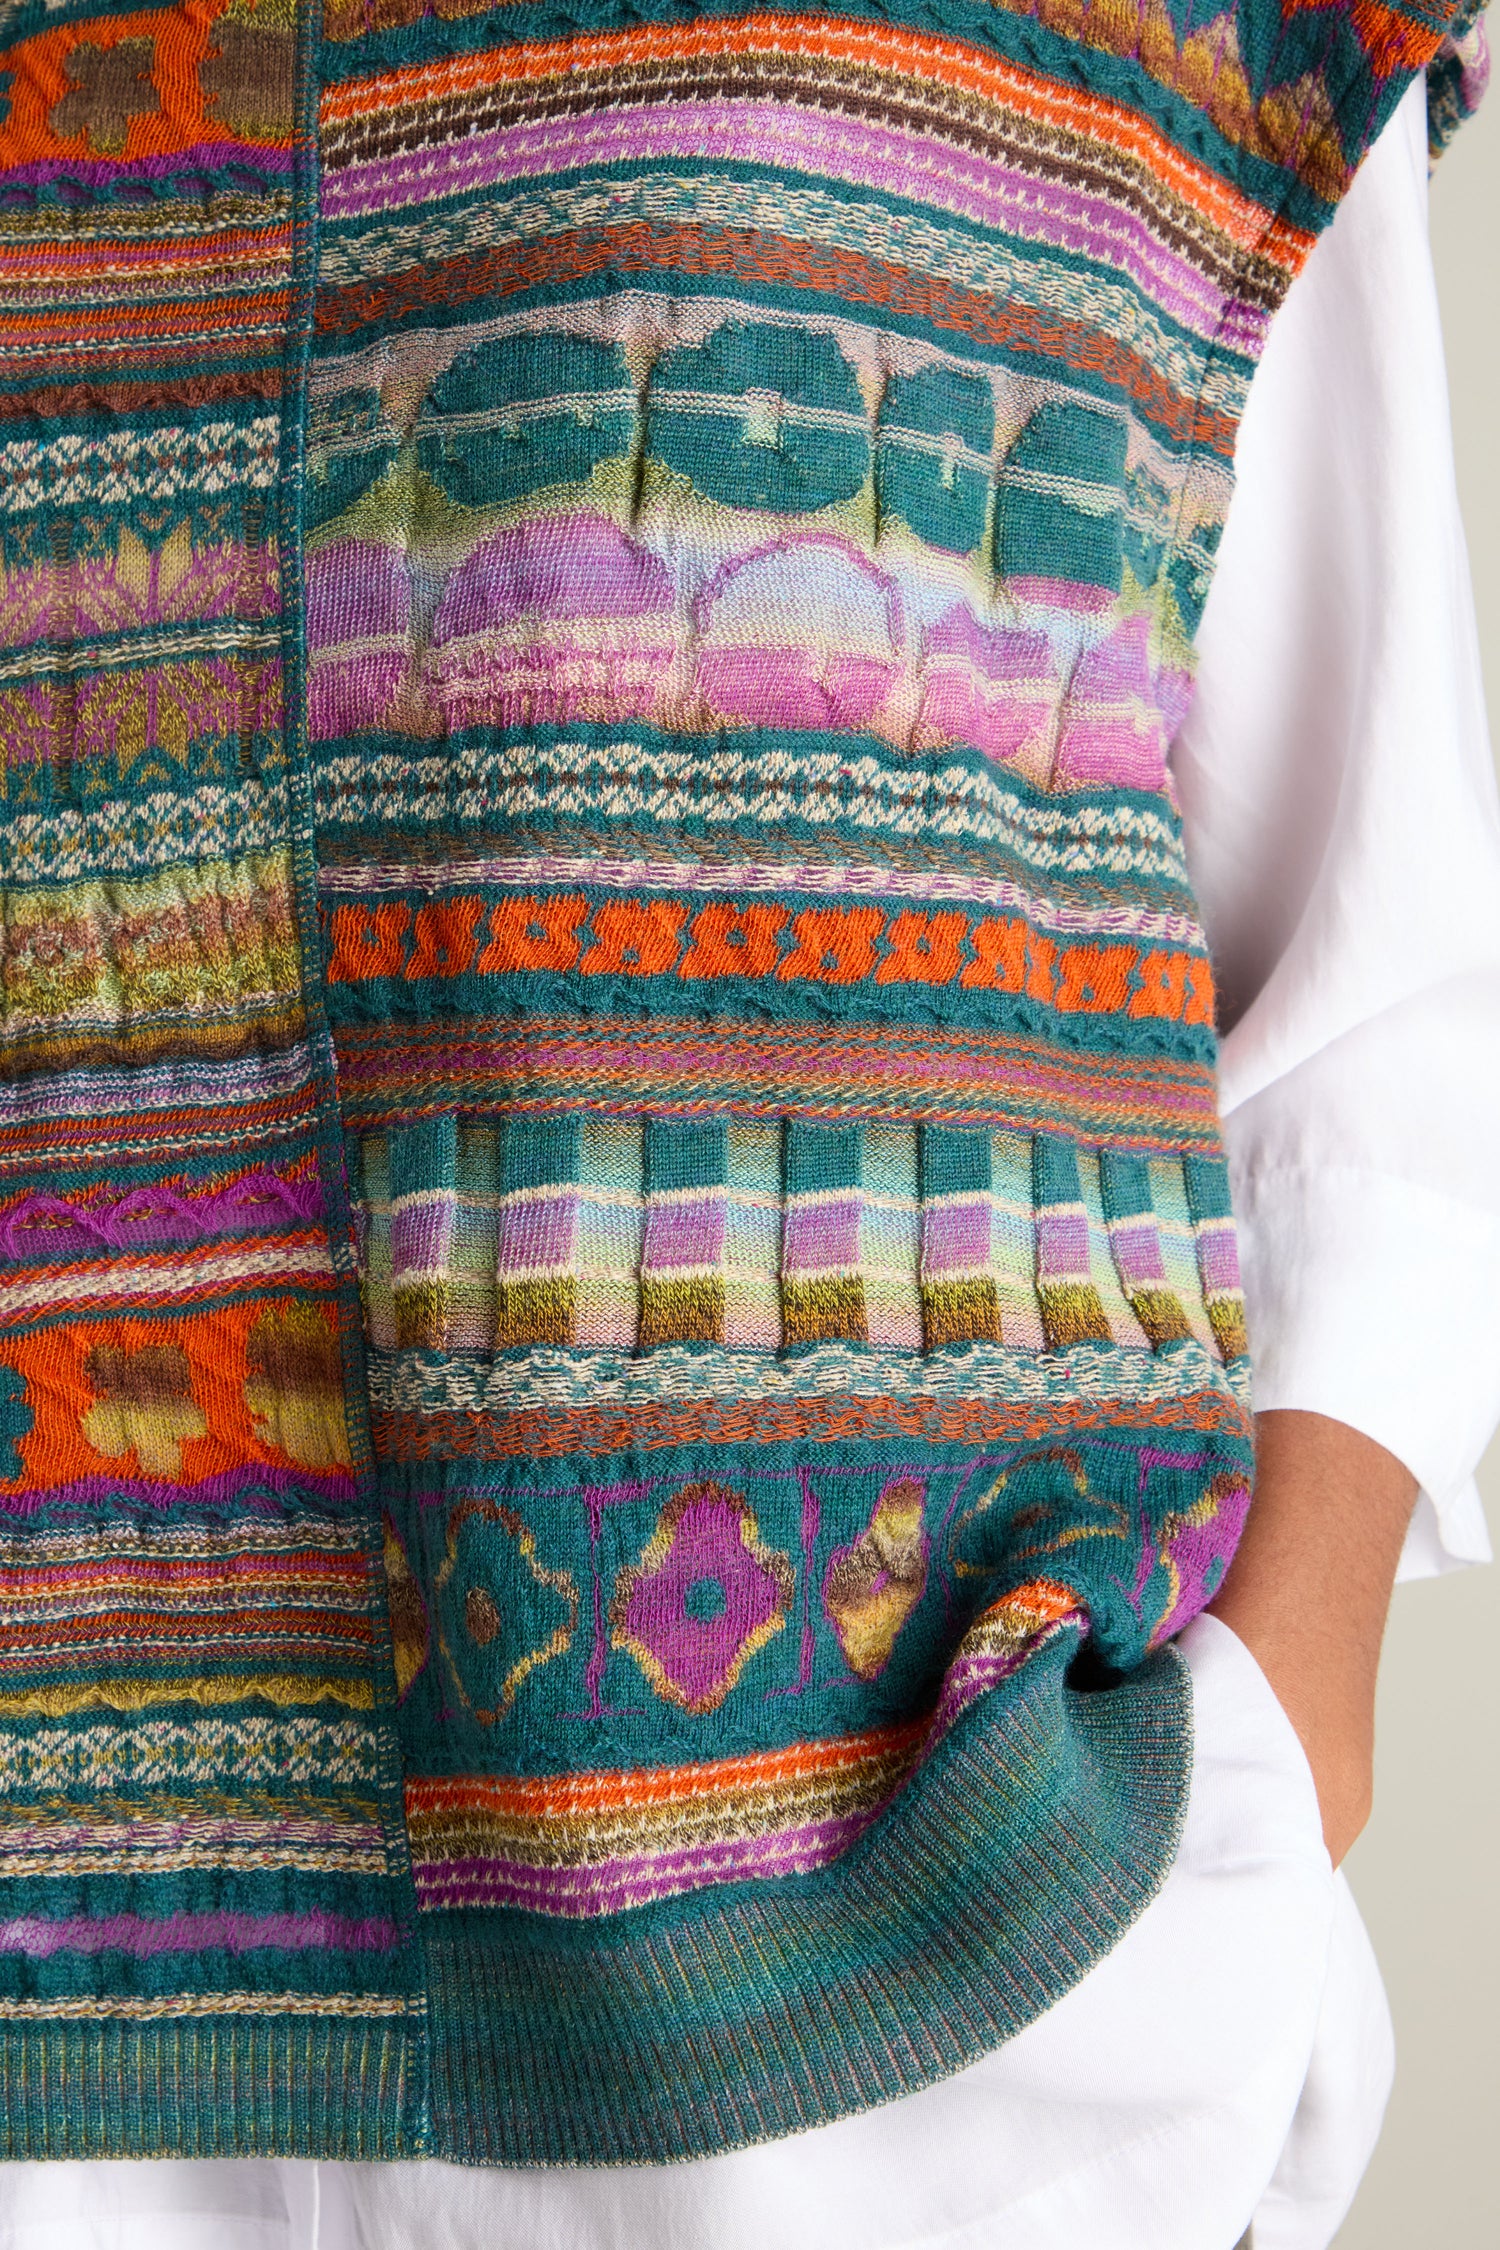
(622, 1344)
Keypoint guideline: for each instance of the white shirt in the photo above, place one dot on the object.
(1343, 834)
(1232, 2054)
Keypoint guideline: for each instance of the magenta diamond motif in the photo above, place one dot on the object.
(705, 1595)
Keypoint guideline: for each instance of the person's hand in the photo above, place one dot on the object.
(1308, 1590)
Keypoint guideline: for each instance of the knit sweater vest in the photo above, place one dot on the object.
(622, 1350)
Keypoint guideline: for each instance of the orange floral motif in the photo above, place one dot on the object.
(443, 937)
(924, 949)
(534, 933)
(835, 945)
(1094, 978)
(1010, 956)
(733, 941)
(635, 938)
(1163, 985)
(367, 941)
(1199, 1006)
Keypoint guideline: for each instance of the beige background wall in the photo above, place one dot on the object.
(1427, 1870)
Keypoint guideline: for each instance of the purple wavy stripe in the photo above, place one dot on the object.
(196, 1933)
(49, 1226)
(203, 156)
(255, 1490)
(615, 1884)
(105, 1094)
(865, 155)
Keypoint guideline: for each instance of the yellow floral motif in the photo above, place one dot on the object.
(409, 1632)
(295, 1387)
(873, 1586)
(145, 1407)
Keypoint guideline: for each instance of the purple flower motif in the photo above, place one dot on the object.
(705, 1595)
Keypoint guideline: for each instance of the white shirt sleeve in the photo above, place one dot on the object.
(1343, 832)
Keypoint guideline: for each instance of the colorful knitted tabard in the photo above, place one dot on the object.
(622, 1349)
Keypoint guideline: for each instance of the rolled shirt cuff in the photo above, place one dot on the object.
(1374, 1300)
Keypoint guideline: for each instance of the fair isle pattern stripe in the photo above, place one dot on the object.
(74, 843)
(865, 156)
(174, 1109)
(993, 295)
(170, 1755)
(509, 1403)
(601, 1842)
(1074, 849)
(834, 878)
(161, 464)
(239, 1834)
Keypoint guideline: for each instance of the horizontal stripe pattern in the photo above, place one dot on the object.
(64, 1839)
(202, 1872)
(423, 104)
(602, 1842)
(942, 810)
(393, 1072)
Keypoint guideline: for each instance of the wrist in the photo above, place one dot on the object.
(1308, 1591)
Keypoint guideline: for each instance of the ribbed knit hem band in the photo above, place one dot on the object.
(1020, 1854)
(210, 2084)
(1016, 1859)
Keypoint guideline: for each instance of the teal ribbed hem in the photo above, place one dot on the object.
(210, 2085)
(1002, 1873)
(1011, 1864)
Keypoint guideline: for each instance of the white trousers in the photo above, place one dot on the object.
(1229, 2059)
